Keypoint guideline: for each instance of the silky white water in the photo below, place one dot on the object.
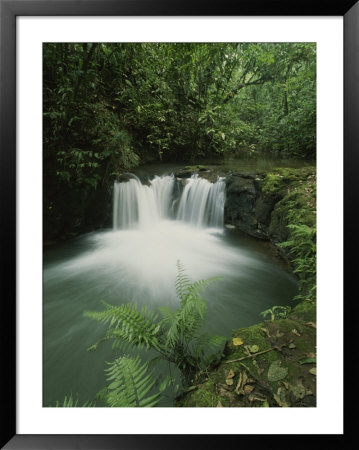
(200, 203)
(154, 226)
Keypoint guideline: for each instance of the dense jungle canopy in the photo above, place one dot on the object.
(109, 107)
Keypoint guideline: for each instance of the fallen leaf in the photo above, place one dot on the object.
(285, 384)
(280, 398)
(294, 331)
(253, 348)
(246, 349)
(250, 380)
(308, 361)
(276, 372)
(239, 384)
(279, 334)
(298, 391)
(291, 345)
(248, 389)
(312, 324)
(219, 405)
(242, 380)
(259, 369)
(222, 391)
(229, 381)
(311, 355)
(252, 397)
(265, 330)
(231, 374)
(313, 371)
(237, 341)
(245, 378)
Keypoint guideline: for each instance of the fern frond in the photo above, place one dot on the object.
(200, 285)
(186, 289)
(129, 324)
(167, 314)
(182, 281)
(172, 332)
(70, 402)
(191, 316)
(131, 383)
(183, 323)
(210, 341)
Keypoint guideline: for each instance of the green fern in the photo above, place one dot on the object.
(128, 324)
(131, 383)
(276, 312)
(302, 246)
(176, 336)
(70, 402)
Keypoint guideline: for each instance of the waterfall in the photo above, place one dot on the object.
(202, 203)
(199, 203)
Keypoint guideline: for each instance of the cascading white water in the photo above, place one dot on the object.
(139, 206)
(202, 203)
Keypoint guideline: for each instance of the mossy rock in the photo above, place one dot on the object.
(197, 168)
(265, 368)
(305, 311)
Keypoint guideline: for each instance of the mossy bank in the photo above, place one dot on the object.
(273, 363)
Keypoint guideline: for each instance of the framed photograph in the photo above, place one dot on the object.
(183, 155)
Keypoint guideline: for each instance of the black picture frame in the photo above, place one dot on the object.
(9, 10)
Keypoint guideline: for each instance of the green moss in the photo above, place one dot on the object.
(204, 396)
(293, 221)
(305, 311)
(196, 168)
(273, 183)
(279, 180)
(250, 336)
(267, 335)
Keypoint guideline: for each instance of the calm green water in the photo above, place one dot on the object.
(225, 166)
(140, 265)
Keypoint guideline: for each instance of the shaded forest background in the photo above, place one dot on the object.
(110, 107)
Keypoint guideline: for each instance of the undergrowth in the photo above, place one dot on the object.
(295, 216)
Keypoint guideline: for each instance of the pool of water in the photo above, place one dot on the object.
(225, 166)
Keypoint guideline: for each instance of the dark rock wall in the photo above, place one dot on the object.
(76, 212)
(247, 207)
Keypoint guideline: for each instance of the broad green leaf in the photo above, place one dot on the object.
(276, 372)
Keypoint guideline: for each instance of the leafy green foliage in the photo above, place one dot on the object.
(276, 312)
(176, 337)
(128, 324)
(108, 107)
(130, 384)
(293, 222)
(70, 402)
(302, 245)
